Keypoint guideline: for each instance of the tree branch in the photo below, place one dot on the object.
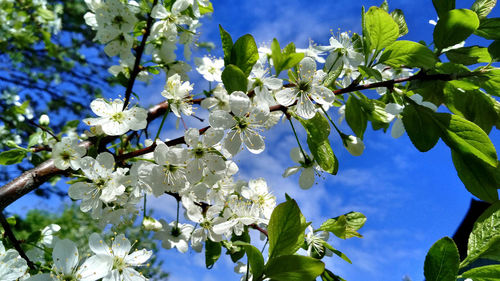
(139, 52)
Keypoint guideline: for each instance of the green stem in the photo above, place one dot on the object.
(297, 138)
(161, 125)
(144, 209)
(331, 121)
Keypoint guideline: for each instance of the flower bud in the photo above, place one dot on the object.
(354, 145)
(44, 120)
(10, 143)
(150, 223)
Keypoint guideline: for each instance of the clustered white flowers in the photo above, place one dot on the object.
(199, 171)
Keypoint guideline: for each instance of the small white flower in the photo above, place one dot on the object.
(175, 235)
(394, 111)
(178, 95)
(307, 165)
(307, 88)
(118, 255)
(113, 120)
(211, 69)
(67, 153)
(12, 266)
(244, 123)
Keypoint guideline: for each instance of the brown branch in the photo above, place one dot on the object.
(13, 240)
(139, 52)
(255, 226)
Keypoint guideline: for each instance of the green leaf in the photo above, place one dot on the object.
(443, 6)
(318, 129)
(293, 268)
(483, 273)
(206, 9)
(381, 29)
(369, 72)
(35, 139)
(227, 45)
(356, 116)
(234, 79)
(323, 155)
(478, 178)
(286, 229)
(408, 53)
(483, 7)
(484, 239)
(255, 259)
(327, 275)
(454, 27)
(489, 29)
(398, 16)
(212, 252)
(345, 226)
(286, 59)
(12, 156)
(466, 138)
(336, 252)
(419, 125)
(468, 101)
(441, 262)
(244, 53)
(469, 55)
(494, 50)
(489, 81)
(237, 255)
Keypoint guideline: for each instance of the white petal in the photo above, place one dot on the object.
(65, 256)
(287, 96)
(322, 95)
(159, 12)
(221, 119)
(212, 137)
(291, 171)
(95, 267)
(307, 68)
(138, 257)
(97, 245)
(233, 142)
(297, 155)
(240, 103)
(101, 108)
(273, 83)
(253, 141)
(305, 107)
(306, 179)
(398, 129)
(394, 108)
(191, 137)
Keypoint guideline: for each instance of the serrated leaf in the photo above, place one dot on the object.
(293, 268)
(212, 252)
(356, 116)
(468, 101)
(419, 125)
(443, 6)
(466, 138)
(234, 79)
(483, 273)
(244, 53)
(35, 139)
(489, 29)
(408, 53)
(227, 45)
(469, 55)
(381, 29)
(478, 178)
(398, 16)
(484, 237)
(345, 226)
(442, 260)
(286, 229)
(12, 156)
(483, 7)
(454, 27)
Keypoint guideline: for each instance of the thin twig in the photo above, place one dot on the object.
(13, 240)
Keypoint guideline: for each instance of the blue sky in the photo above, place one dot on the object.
(411, 198)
